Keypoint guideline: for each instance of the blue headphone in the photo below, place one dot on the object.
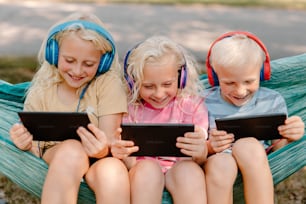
(182, 78)
(52, 47)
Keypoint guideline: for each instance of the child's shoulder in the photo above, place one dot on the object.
(264, 91)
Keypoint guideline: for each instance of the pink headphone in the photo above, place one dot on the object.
(265, 73)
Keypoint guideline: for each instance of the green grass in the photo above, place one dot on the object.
(17, 69)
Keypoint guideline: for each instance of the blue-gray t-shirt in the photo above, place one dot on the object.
(264, 101)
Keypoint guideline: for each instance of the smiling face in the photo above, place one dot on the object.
(78, 61)
(160, 82)
(238, 84)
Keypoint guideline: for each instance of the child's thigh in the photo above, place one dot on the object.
(140, 171)
(185, 172)
(68, 152)
(248, 150)
(221, 167)
(107, 171)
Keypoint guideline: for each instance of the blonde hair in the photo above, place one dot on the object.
(152, 50)
(48, 75)
(236, 51)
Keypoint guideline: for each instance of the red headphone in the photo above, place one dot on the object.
(265, 72)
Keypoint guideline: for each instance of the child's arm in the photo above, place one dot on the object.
(292, 130)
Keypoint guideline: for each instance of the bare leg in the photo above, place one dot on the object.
(67, 164)
(186, 183)
(109, 179)
(220, 172)
(147, 182)
(253, 164)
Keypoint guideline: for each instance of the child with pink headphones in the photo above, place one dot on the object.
(236, 63)
(164, 87)
(79, 72)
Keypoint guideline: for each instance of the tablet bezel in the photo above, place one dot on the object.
(157, 139)
(262, 127)
(53, 126)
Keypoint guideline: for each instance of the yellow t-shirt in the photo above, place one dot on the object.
(105, 95)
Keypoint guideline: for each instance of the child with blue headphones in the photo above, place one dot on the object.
(236, 63)
(164, 87)
(79, 71)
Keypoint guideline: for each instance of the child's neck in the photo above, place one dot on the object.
(67, 95)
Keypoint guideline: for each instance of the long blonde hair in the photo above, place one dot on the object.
(152, 50)
(47, 74)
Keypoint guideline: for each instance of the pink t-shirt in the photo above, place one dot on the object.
(180, 110)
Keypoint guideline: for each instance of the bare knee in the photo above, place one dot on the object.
(221, 170)
(68, 155)
(248, 150)
(184, 173)
(146, 172)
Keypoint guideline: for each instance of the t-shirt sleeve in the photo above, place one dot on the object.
(111, 94)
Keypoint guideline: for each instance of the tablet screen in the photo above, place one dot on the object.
(155, 139)
(53, 126)
(262, 127)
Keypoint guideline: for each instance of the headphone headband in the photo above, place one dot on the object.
(52, 47)
(265, 71)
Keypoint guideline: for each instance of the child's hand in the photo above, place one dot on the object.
(293, 129)
(122, 148)
(220, 140)
(94, 141)
(194, 144)
(21, 137)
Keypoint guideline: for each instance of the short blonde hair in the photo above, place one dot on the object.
(152, 50)
(236, 51)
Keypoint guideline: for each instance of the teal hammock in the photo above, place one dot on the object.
(28, 171)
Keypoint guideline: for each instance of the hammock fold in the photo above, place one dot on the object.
(27, 171)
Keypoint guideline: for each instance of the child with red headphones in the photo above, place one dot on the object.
(79, 71)
(236, 63)
(164, 87)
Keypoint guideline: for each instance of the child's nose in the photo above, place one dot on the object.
(159, 92)
(240, 90)
(77, 69)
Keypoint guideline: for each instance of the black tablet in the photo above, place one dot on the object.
(53, 126)
(262, 127)
(155, 139)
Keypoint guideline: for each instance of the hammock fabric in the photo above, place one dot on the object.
(28, 171)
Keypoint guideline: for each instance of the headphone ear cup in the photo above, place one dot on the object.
(52, 50)
(128, 79)
(265, 73)
(182, 78)
(211, 74)
(105, 63)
